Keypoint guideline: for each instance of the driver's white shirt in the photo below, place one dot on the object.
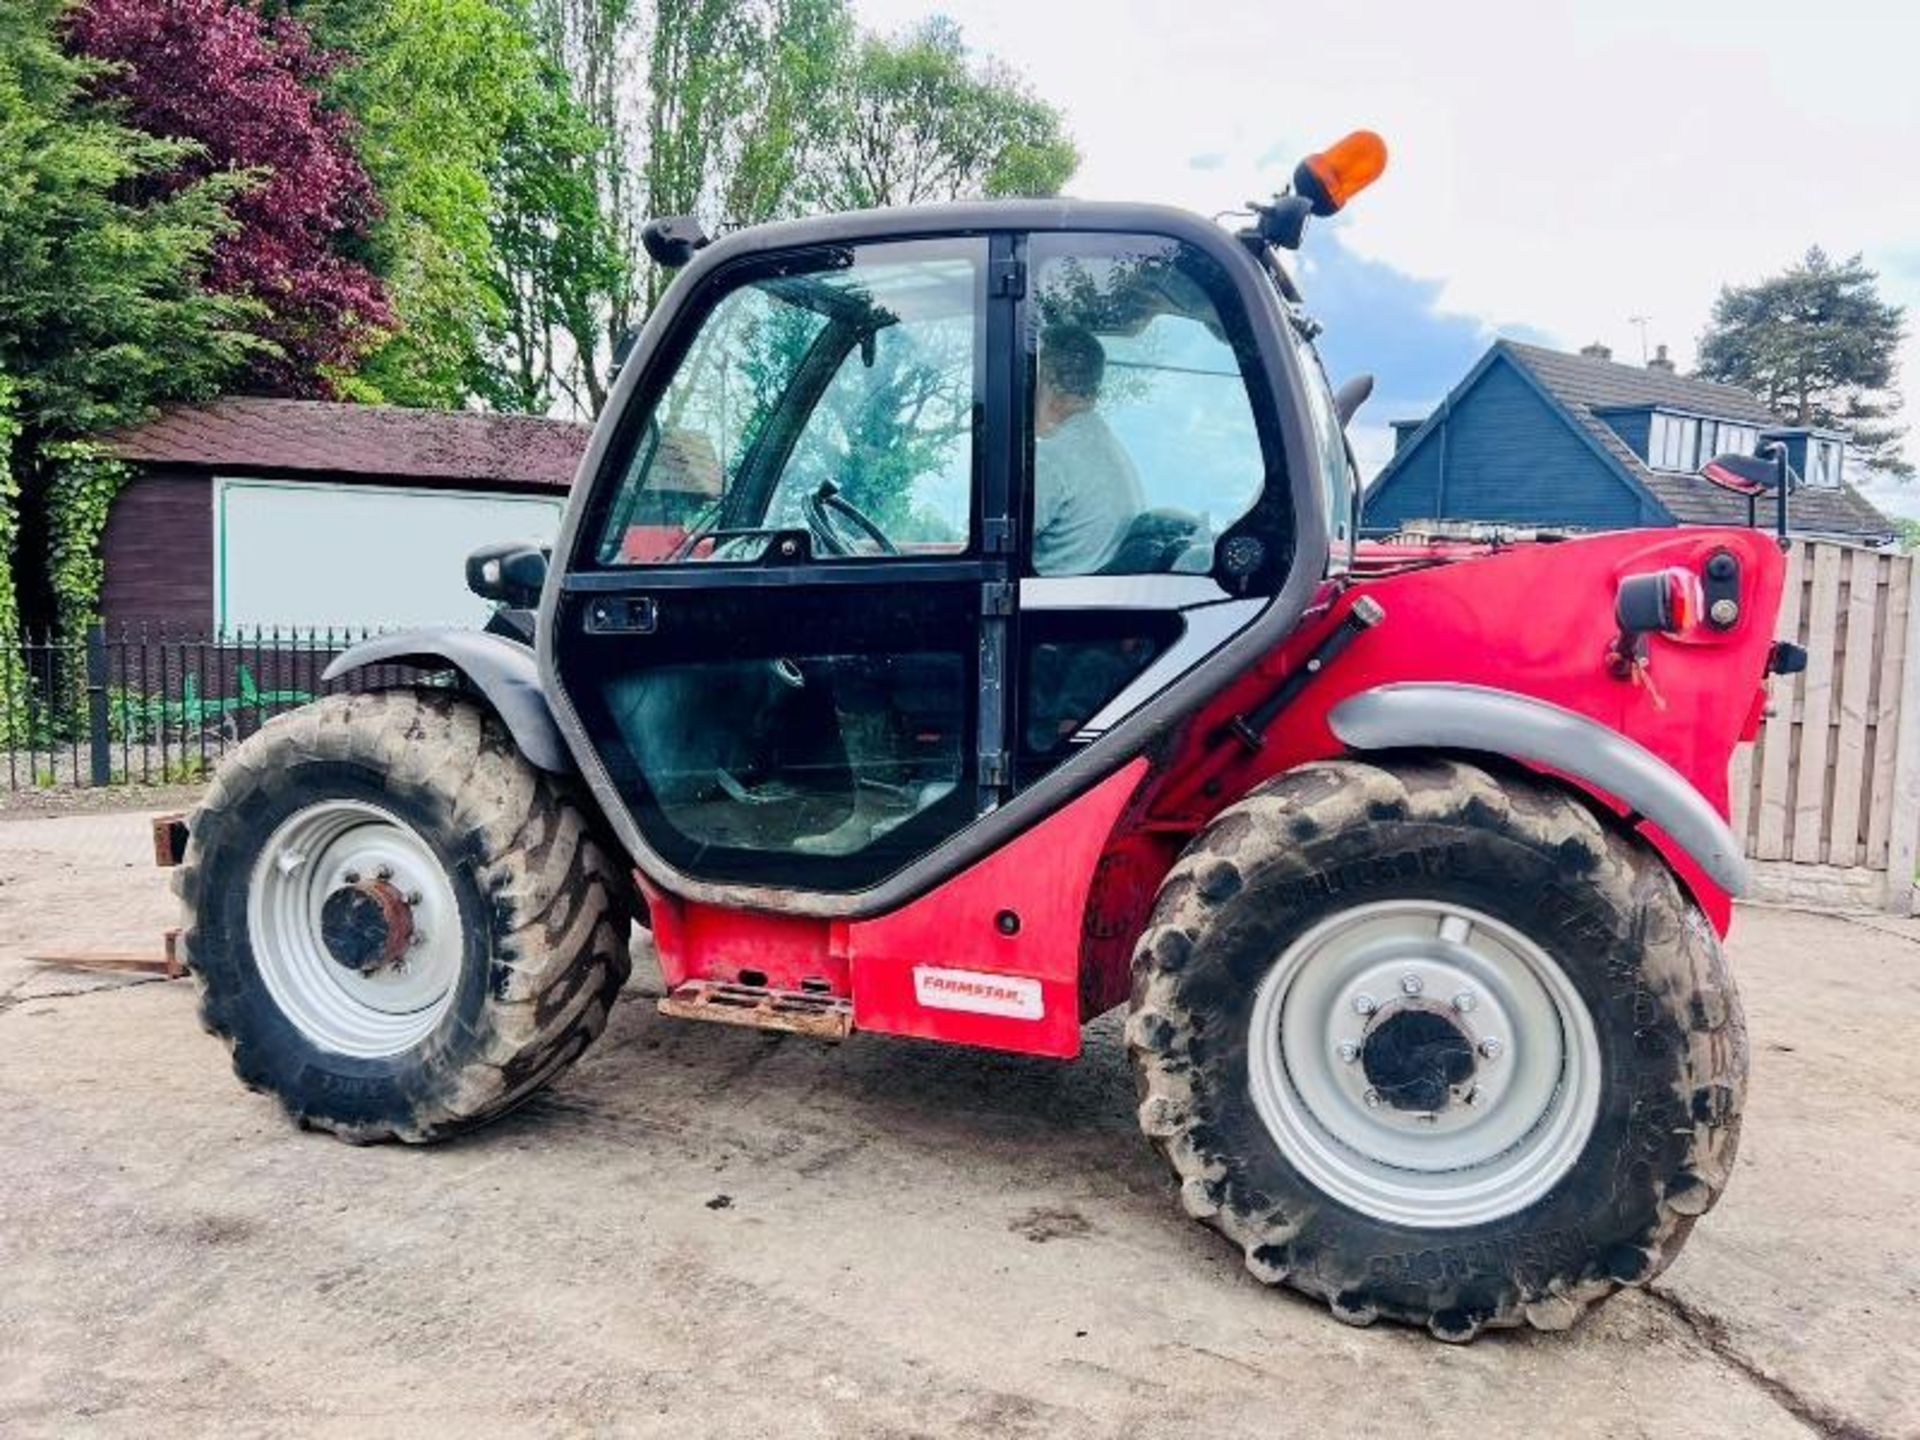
(1085, 495)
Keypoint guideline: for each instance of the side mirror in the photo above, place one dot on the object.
(1751, 476)
(1748, 475)
(672, 240)
(510, 574)
(1348, 399)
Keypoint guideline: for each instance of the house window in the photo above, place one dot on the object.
(1677, 442)
(1824, 464)
(1723, 437)
(1673, 442)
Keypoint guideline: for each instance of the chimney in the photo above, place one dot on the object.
(1660, 360)
(1596, 351)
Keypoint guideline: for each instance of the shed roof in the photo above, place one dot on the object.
(1585, 385)
(322, 437)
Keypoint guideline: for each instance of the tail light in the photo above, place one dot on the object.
(1663, 602)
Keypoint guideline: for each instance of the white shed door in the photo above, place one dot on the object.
(289, 554)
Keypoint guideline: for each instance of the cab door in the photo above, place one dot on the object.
(785, 619)
(1158, 520)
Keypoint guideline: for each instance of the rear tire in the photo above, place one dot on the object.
(499, 921)
(1328, 1105)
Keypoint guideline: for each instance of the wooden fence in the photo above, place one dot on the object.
(1828, 801)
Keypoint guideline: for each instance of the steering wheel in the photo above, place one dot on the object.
(827, 510)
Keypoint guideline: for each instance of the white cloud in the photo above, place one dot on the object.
(1555, 165)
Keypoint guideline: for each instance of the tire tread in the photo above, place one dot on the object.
(1682, 954)
(560, 918)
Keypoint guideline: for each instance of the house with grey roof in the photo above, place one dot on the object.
(1537, 439)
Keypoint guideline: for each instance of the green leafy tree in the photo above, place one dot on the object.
(495, 246)
(13, 670)
(922, 122)
(756, 110)
(102, 315)
(802, 70)
(103, 310)
(737, 96)
(520, 146)
(1820, 346)
(601, 45)
(436, 87)
(557, 262)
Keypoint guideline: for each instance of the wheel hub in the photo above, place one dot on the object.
(355, 927)
(1423, 1063)
(1416, 1059)
(366, 926)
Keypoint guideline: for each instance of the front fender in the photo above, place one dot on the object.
(1440, 716)
(503, 671)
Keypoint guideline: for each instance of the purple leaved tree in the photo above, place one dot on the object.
(247, 89)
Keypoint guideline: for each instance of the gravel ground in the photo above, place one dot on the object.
(703, 1231)
(36, 801)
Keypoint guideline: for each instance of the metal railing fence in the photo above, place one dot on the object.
(145, 706)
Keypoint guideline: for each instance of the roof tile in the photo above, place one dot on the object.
(321, 437)
(1585, 385)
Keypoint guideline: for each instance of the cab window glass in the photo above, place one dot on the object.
(891, 433)
(1330, 438)
(833, 406)
(1144, 441)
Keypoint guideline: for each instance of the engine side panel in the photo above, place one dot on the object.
(1536, 620)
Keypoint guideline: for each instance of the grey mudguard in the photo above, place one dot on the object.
(502, 670)
(1474, 717)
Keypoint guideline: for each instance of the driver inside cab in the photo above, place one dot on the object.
(1086, 492)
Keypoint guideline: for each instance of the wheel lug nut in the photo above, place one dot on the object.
(1464, 1001)
(416, 940)
(352, 877)
(1491, 1047)
(1372, 1097)
(385, 872)
(1348, 1051)
(413, 897)
(1365, 1004)
(1411, 984)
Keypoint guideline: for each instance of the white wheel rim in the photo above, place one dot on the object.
(1499, 1139)
(319, 850)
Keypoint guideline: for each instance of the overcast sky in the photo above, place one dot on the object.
(1556, 169)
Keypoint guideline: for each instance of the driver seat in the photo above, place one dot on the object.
(1153, 543)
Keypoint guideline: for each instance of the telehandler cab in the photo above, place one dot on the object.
(958, 629)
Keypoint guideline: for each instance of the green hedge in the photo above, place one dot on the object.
(13, 672)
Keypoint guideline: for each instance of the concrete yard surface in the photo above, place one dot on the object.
(709, 1231)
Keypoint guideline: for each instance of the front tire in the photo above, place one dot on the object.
(1436, 1046)
(400, 926)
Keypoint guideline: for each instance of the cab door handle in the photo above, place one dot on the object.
(623, 615)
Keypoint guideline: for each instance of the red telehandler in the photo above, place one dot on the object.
(958, 629)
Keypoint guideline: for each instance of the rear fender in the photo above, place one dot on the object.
(1475, 718)
(500, 670)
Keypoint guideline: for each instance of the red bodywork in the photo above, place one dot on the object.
(1043, 929)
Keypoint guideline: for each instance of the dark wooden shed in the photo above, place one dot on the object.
(306, 514)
